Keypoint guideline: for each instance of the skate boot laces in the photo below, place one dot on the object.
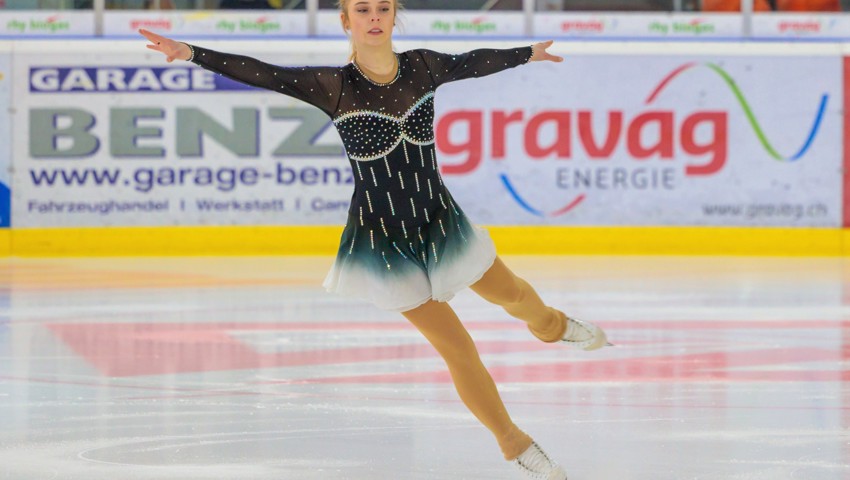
(584, 335)
(534, 464)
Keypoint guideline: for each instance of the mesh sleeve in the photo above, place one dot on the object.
(318, 86)
(447, 67)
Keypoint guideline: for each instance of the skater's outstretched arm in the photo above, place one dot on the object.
(448, 67)
(318, 86)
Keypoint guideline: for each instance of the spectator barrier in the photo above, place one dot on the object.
(669, 148)
(430, 23)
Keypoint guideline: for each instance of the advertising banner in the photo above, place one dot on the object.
(801, 25)
(263, 23)
(434, 23)
(46, 23)
(648, 140)
(123, 138)
(5, 135)
(680, 25)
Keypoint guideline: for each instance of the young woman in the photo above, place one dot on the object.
(407, 246)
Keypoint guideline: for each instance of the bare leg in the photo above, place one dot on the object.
(441, 326)
(502, 287)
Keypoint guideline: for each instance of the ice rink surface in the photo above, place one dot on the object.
(244, 368)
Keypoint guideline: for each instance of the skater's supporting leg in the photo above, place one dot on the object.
(441, 326)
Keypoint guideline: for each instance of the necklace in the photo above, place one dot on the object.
(380, 84)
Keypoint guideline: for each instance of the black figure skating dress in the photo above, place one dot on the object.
(406, 240)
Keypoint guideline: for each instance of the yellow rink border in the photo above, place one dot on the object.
(672, 240)
(5, 242)
(323, 240)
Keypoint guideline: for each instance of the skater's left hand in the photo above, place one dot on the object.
(539, 53)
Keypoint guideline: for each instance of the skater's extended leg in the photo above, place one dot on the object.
(501, 286)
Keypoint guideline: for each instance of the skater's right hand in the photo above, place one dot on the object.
(171, 49)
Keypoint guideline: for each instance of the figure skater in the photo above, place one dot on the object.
(407, 245)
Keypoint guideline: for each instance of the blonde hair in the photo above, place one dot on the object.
(343, 8)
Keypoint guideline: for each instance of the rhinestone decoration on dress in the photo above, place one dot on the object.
(370, 135)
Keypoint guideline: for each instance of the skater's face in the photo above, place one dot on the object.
(369, 21)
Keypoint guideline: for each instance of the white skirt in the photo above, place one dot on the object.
(400, 270)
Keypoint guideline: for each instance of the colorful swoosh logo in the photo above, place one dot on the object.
(745, 106)
(751, 118)
(527, 206)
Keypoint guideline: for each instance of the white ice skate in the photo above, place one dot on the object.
(584, 335)
(534, 464)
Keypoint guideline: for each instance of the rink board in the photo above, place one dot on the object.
(714, 155)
